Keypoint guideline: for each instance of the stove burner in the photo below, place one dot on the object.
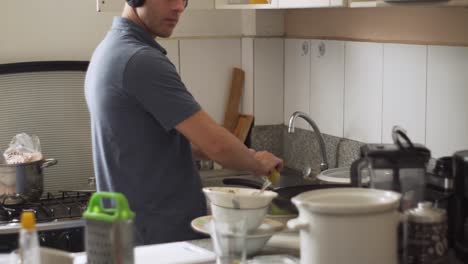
(4, 217)
(52, 210)
(62, 205)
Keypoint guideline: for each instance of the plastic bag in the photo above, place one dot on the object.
(23, 149)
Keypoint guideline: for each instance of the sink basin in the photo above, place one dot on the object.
(340, 175)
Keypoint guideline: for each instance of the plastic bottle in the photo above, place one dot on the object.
(28, 240)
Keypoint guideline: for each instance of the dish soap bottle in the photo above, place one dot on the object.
(28, 240)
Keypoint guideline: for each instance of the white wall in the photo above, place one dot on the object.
(70, 29)
(422, 88)
(50, 30)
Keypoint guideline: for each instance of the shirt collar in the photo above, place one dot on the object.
(121, 23)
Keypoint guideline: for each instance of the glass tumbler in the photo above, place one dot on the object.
(229, 241)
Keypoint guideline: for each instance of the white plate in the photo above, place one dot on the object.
(255, 241)
(267, 228)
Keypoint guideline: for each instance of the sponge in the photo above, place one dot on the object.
(274, 176)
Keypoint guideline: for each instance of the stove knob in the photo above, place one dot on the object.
(64, 240)
(42, 239)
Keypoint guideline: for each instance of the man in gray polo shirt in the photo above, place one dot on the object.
(147, 128)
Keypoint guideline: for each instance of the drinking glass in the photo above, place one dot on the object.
(229, 241)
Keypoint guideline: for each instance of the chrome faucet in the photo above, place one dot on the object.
(292, 119)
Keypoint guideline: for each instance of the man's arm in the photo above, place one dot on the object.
(198, 154)
(223, 147)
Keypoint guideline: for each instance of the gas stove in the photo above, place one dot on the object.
(59, 222)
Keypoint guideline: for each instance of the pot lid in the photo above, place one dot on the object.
(347, 200)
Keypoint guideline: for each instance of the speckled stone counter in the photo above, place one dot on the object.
(301, 148)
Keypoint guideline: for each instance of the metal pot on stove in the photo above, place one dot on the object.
(23, 182)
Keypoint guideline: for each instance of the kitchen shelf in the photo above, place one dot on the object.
(245, 4)
(362, 3)
(446, 3)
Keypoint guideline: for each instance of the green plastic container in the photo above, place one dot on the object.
(109, 231)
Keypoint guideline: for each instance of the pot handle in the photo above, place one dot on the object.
(297, 224)
(244, 182)
(48, 163)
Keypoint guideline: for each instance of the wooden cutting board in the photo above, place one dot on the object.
(231, 114)
(243, 126)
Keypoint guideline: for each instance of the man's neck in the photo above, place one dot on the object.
(131, 14)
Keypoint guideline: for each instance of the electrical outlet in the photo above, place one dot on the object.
(109, 5)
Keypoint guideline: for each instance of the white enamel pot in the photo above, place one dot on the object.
(347, 225)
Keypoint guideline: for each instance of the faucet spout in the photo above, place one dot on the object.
(292, 120)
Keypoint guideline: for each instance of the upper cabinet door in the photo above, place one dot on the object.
(246, 4)
(268, 80)
(327, 85)
(404, 91)
(447, 93)
(363, 91)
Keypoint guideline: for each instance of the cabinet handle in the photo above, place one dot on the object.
(305, 48)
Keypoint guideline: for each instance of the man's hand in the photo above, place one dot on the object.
(268, 162)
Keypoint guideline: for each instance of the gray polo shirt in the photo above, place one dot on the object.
(136, 98)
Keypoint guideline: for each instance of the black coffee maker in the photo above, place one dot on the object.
(460, 208)
(399, 167)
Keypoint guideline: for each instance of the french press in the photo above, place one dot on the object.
(399, 167)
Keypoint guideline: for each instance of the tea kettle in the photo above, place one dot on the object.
(399, 167)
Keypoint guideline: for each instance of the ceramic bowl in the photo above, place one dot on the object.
(252, 217)
(239, 198)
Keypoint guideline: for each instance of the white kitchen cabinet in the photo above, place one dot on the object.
(172, 48)
(247, 106)
(206, 68)
(363, 91)
(327, 74)
(245, 4)
(309, 3)
(447, 93)
(404, 91)
(296, 79)
(268, 80)
(362, 3)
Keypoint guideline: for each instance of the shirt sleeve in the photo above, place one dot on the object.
(153, 80)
